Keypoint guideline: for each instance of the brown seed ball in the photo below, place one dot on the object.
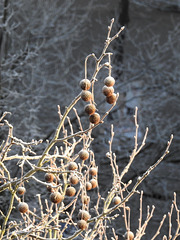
(107, 91)
(49, 177)
(94, 118)
(51, 189)
(88, 186)
(56, 197)
(21, 190)
(70, 191)
(90, 109)
(72, 166)
(93, 183)
(109, 81)
(23, 207)
(1, 180)
(85, 84)
(74, 180)
(86, 96)
(86, 199)
(82, 224)
(129, 235)
(111, 99)
(83, 214)
(93, 171)
(57, 181)
(83, 154)
(116, 200)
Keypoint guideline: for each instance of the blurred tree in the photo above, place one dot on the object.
(43, 65)
(164, 5)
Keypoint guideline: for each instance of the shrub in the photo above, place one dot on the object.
(62, 160)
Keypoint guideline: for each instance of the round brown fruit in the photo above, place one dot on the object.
(70, 191)
(111, 99)
(129, 235)
(86, 199)
(109, 81)
(85, 84)
(56, 197)
(82, 224)
(21, 190)
(94, 118)
(83, 214)
(86, 95)
(90, 109)
(49, 177)
(23, 207)
(74, 180)
(83, 154)
(107, 91)
(88, 186)
(94, 183)
(1, 180)
(57, 181)
(72, 166)
(116, 200)
(93, 171)
(51, 189)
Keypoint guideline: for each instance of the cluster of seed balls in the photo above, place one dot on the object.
(86, 95)
(22, 206)
(57, 197)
